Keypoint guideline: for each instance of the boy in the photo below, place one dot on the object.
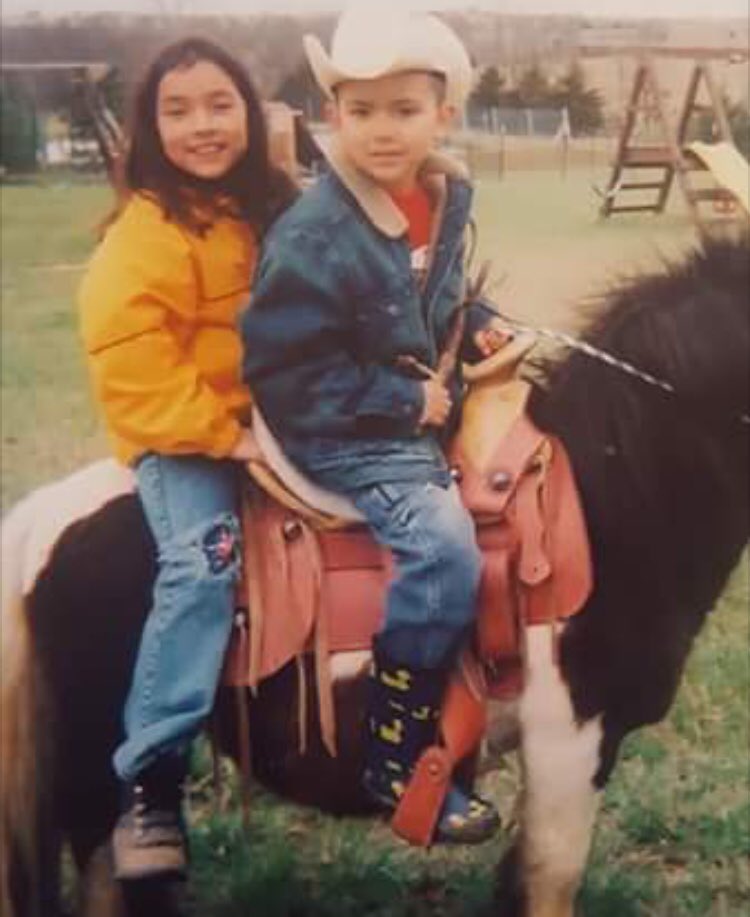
(358, 288)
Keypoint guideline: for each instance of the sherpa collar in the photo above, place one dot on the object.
(377, 204)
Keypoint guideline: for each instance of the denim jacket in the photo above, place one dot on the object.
(335, 305)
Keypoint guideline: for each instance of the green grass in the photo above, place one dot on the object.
(673, 838)
(48, 423)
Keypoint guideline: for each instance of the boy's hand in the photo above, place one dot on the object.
(492, 337)
(246, 449)
(437, 404)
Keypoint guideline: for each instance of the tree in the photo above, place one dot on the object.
(738, 116)
(299, 90)
(533, 88)
(18, 130)
(487, 93)
(585, 105)
(739, 123)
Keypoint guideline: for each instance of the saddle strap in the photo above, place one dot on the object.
(324, 685)
(252, 586)
(463, 722)
(534, 566)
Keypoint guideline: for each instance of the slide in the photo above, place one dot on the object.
(728, 167)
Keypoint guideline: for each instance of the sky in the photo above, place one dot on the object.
(622, 8)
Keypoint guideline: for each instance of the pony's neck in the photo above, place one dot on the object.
(665, 496)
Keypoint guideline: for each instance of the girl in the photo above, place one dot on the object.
(158, 309)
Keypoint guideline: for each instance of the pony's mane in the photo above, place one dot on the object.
(686, 323)
(649, 462)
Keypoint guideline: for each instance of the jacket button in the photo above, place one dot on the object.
(500, 481)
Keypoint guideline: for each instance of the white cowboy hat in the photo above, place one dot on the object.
(370, 43)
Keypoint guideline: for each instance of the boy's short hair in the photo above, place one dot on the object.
(370, 43)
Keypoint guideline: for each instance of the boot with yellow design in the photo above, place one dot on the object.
(402, 721)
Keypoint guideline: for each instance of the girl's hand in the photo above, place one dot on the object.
(246, 448)
(491, 338)
(437, 404)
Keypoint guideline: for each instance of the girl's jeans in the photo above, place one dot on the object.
(431, 602)
(190, 503)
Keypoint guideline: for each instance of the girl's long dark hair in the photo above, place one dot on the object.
(253, 189)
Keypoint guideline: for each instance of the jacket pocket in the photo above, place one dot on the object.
(389, 323)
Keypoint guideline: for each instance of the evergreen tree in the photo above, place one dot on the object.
(488, 91)
(299, 90)
(18, 131)
(533, 88)
(704, 128)
(739, 123)
(585, 105)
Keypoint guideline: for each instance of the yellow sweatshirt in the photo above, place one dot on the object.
(158, 308)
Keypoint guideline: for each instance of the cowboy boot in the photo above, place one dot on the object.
(402, 721)
(149, 839)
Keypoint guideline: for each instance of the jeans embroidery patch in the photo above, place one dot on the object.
(220, 547)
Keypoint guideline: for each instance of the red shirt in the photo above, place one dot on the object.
(416, 206)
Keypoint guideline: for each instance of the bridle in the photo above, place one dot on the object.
(475, 293)
(594, 353)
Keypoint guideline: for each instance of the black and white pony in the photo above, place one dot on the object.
(663, 481)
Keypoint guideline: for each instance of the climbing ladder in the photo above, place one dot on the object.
(664, 159)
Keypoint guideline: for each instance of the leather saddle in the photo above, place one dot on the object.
(315, 577)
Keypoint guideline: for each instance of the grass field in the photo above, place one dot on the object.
(673, 839)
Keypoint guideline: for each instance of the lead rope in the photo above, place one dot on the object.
(449, 356)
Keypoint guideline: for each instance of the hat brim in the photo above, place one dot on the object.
(320, 63)
(328, 75)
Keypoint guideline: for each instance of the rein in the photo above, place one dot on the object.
(592, 352)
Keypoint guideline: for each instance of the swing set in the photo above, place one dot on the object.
(670, 155)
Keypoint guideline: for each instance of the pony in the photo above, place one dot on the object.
(662, 475)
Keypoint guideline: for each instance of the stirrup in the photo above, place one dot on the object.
(465, 818)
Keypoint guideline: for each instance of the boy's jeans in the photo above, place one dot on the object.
(431, 602)
(190, 504)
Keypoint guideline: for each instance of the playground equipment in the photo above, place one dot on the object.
(291, 145)
(90, 116)
(92, 121)
(670, 156)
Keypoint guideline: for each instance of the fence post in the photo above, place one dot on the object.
(501, 153)
(563, 135)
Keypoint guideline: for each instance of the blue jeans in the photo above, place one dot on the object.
(431, 603)
(190, 503)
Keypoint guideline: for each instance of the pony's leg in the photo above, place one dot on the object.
(100, 895)
(560, 756)
(37, 894)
